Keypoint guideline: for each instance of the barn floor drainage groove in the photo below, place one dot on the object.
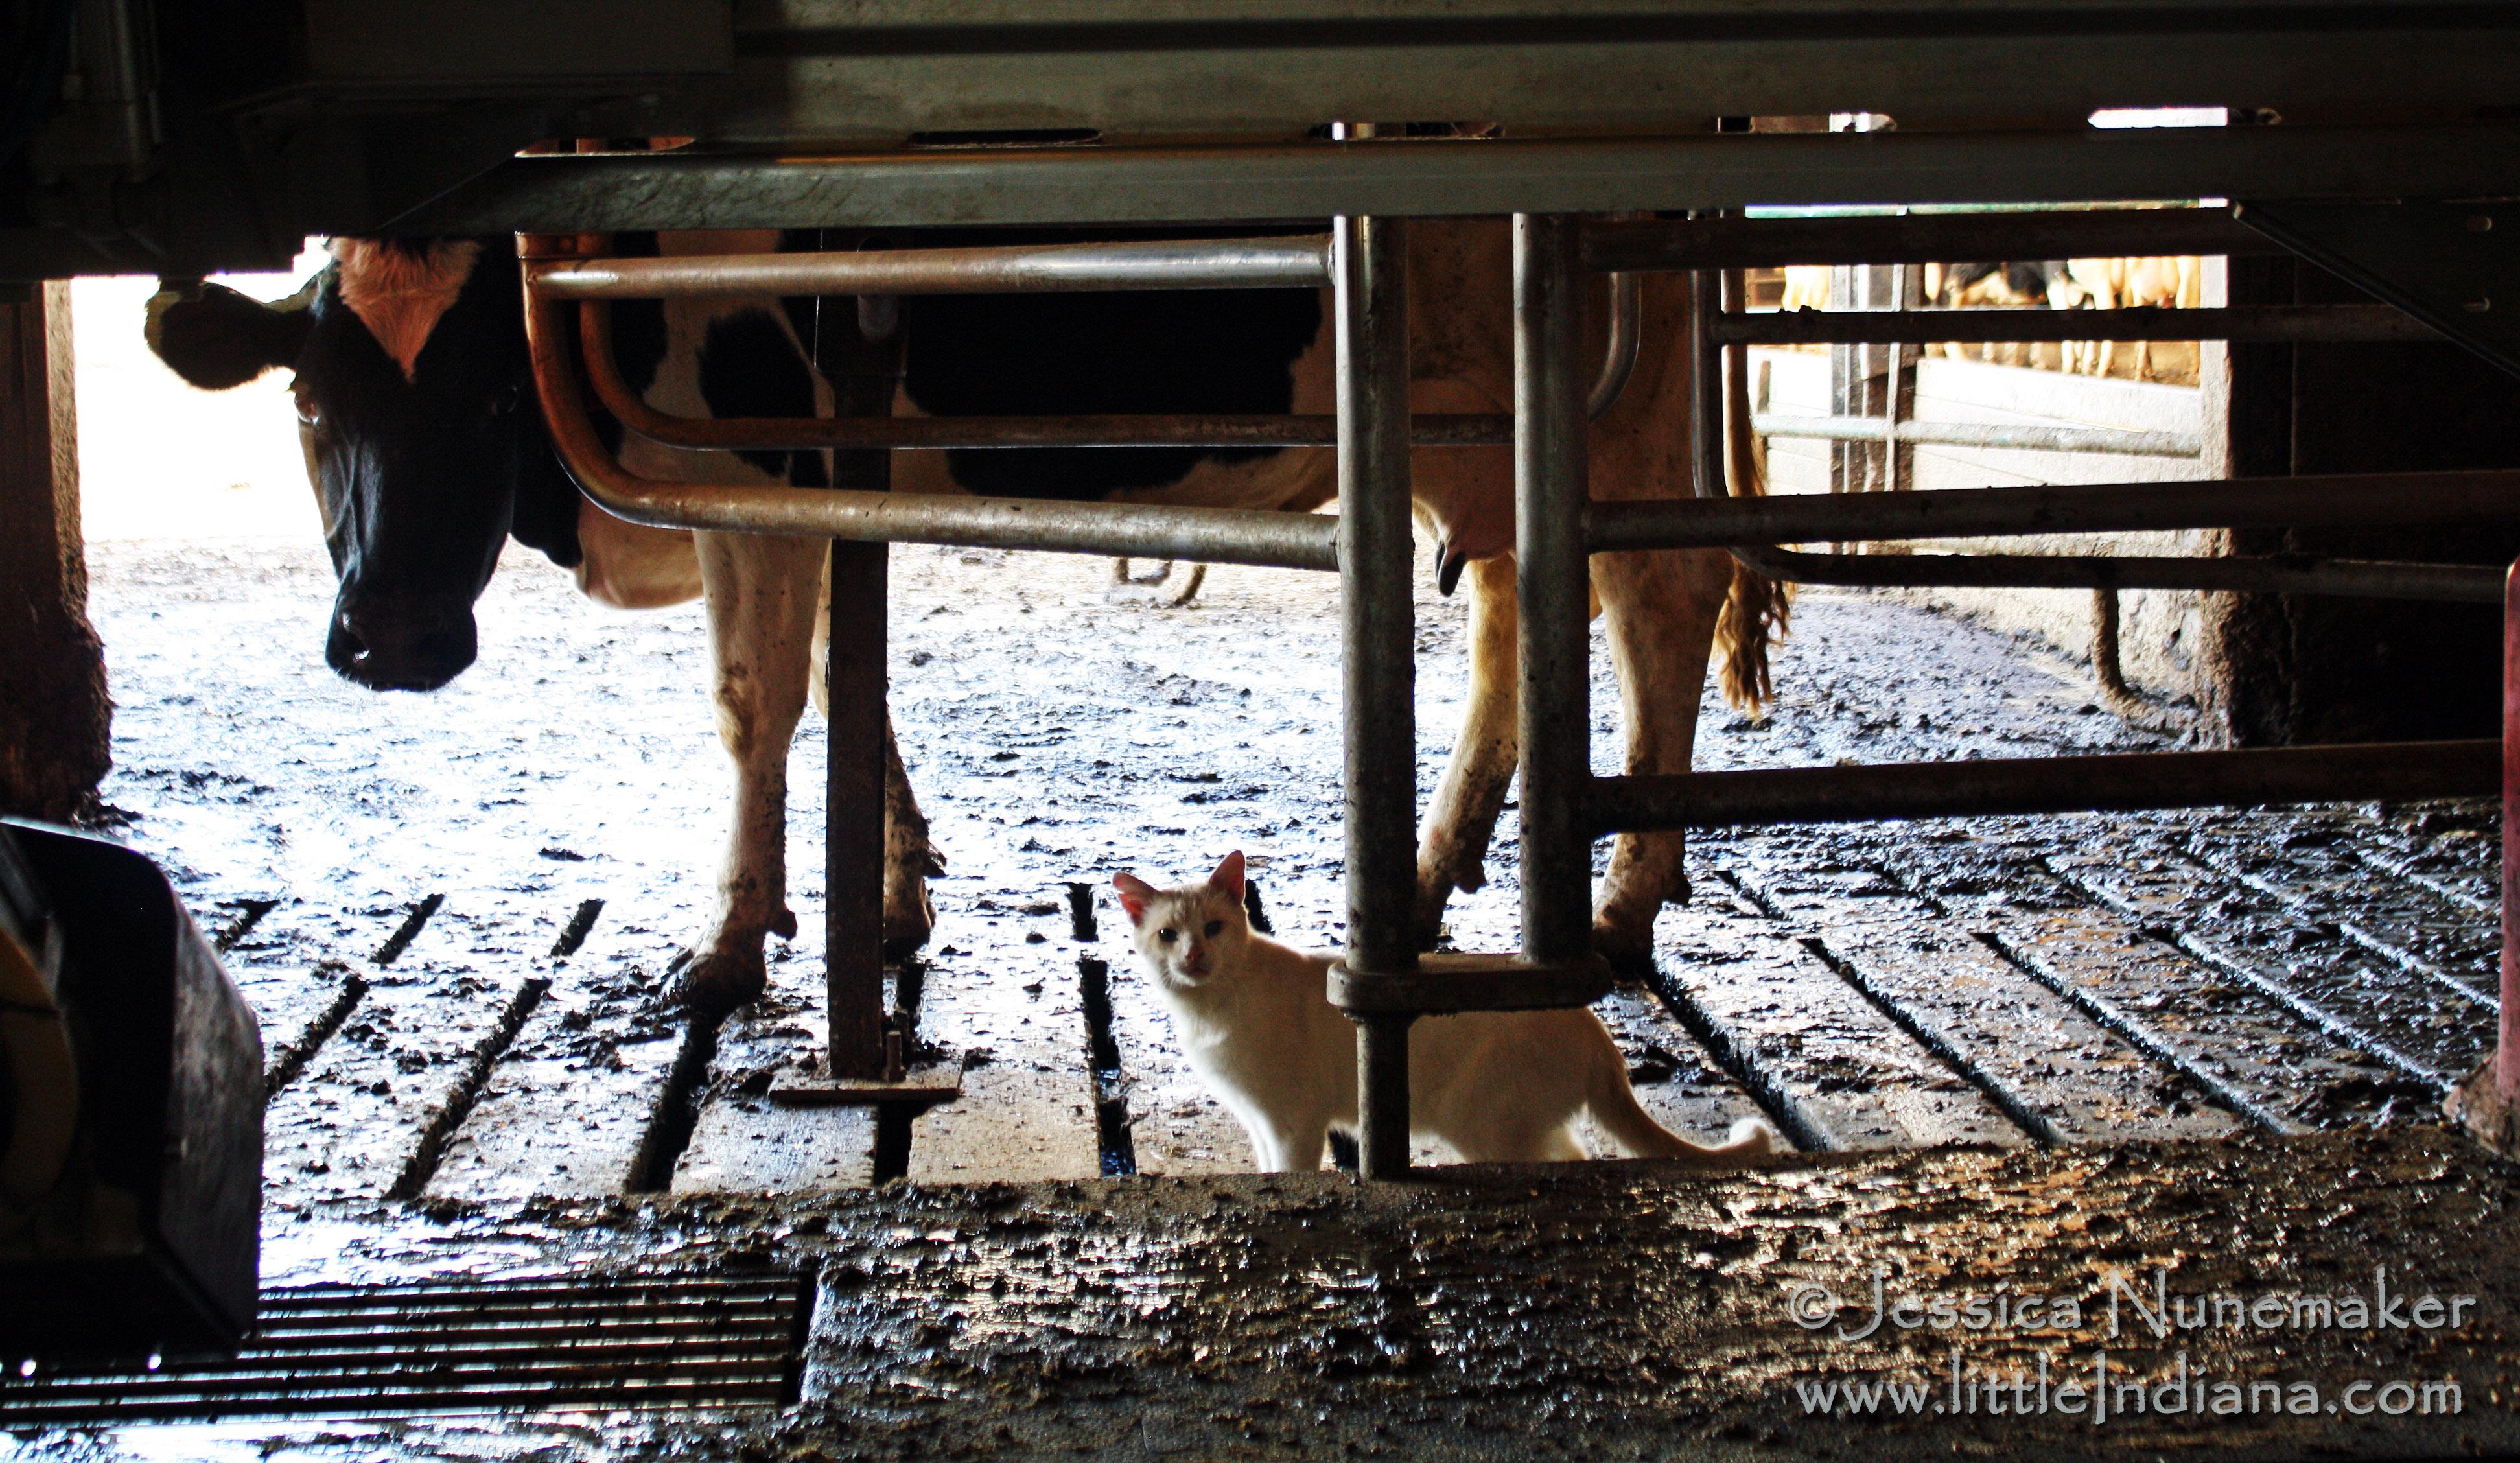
(390, 1351)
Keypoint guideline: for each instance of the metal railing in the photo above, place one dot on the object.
(1382, 983)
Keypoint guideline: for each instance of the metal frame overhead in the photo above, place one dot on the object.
(229, 131)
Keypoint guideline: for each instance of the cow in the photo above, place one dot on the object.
(426, 452)
(2174, 281)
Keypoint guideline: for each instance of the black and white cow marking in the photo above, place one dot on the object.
(411, 371)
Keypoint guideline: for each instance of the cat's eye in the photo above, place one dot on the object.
(1215, 927)
(1166, 935)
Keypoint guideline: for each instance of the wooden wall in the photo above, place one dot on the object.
(54, 712)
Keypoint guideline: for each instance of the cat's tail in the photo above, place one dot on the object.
(1614, 1110)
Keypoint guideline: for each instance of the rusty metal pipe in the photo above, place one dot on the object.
(1298, 263)
(1216, 536)
(1552, 584)
(1377, 656)
(1619, 354)
(2248, 322)
(2392, 770)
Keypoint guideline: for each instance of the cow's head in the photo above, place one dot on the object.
(415, 408)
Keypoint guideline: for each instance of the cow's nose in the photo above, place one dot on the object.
(401, 643)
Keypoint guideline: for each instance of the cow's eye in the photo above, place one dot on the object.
(309, 414)
(1215, 927)
(1166, 934)
(503, 402)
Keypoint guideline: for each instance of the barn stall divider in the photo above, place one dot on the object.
(1384, 984)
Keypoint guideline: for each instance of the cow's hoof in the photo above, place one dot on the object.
(908, 915)
(1630, 952)
(713, 984)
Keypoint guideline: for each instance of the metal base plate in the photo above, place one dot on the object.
(1446, 984)
(2477, 1105)
(926, 1085)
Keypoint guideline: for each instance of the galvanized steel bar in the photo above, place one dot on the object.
(2404, 498)
(1378, 659)
(1300, 263)
(2021, 436)
(1554, 579)
(1460, 177)
(2256, 323)
(2005, 787)
(2449, 584)
(1920, 238)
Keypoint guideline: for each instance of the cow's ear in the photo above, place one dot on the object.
(546, 517)
(216, 338)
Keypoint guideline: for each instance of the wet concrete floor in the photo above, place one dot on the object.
(452, 913)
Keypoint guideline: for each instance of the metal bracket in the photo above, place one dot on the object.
(2477, 1105)
(1445, 984)
(2454, 267)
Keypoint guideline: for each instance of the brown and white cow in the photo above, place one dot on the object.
(412, 387)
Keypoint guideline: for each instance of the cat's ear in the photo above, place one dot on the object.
(1134, 894)
(1229, 876)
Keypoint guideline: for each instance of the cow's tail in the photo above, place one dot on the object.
(1757, 610)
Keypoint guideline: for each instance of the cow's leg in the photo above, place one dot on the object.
(1452, 852)
(762, 597)
(909, 860)
(1661, 610)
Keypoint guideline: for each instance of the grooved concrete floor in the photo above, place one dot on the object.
(1878, 990)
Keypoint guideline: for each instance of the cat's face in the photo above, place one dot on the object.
(1190, 936)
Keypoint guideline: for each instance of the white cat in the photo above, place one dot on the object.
(1498, 1087)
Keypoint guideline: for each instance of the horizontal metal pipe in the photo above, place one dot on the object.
(1920, 238)
(2392, 770)
(2095, 507)
(1458, 178)
(2263, 322)
(1134, 530)
(1302, 263)
(2025, 436)
(2451, 583)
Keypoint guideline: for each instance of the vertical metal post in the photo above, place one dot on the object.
(2506, 1053)
(862, 378)
(1378, 647)
(853, 828)
(1555, 577)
